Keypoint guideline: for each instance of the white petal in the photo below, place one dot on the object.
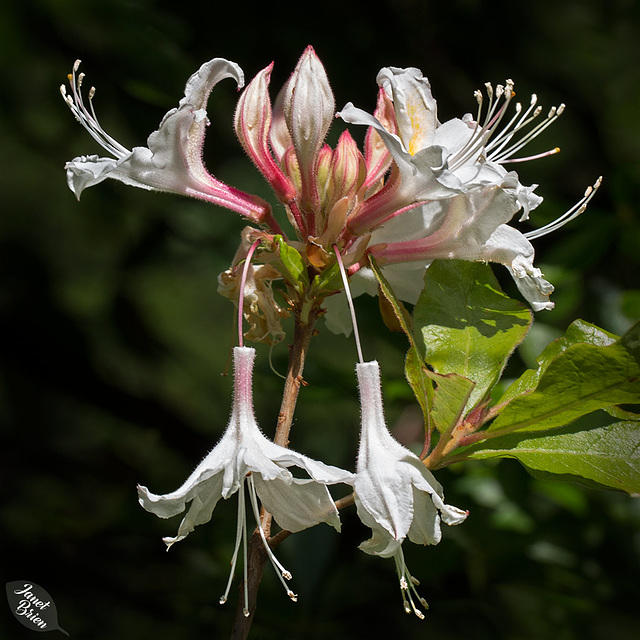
(415, 108)
(425, 528)
(453, 135)
(509, 247)
(86, 171)
(203, 496)
(382, 543)
(299, 504)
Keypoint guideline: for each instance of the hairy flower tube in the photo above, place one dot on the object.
(395, 494)
(172, 161)
(245, 457)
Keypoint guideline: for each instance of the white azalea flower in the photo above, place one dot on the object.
(395, 494)
(245, 456)
(442, 160)
(172, 161)
(456, 169)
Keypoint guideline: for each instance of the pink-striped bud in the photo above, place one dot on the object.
(252, 125)
(348, 170)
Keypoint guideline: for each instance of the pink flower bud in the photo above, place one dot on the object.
(252, 124)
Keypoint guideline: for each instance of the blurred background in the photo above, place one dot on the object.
(114, 342)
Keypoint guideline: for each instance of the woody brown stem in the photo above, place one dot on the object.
(257, 557)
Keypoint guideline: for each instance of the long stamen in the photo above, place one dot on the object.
(553, 115)
(537, 156)
(479, 138)
(280, 570)
(88, 119)
(240, 531)
(569, 215)
(347, 292)
(245, 580)
(408, 587)
(523, 119)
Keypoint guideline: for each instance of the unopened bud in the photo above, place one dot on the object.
(348, 169)
(309, 107)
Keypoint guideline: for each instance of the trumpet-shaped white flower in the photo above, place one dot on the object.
(245, 455)
(172, 161)
(437, 160)
(456, 170)
(395, 494)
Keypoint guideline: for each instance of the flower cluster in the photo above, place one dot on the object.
(418, 190)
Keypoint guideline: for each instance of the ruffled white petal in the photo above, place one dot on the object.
(297, 505)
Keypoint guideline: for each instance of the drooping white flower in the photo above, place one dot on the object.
(172, 160)
(395, 494)
(245, 456)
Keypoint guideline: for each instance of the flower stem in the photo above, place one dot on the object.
(303, 332)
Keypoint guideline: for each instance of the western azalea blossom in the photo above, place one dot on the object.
(395, 494)
(437, 160)
(172, 159)
(244, 456)
(468, 196)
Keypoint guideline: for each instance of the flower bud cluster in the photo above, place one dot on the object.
(320, 187)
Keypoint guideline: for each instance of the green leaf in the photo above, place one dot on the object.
(414, 369)
(402, 315)
(600, 449)
(631, 341)
(329, 280)
(449, 399)
(584, 378)
(293, 267)
(578, 332)
(463, 323)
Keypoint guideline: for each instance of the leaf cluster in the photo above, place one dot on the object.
(573, 417)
